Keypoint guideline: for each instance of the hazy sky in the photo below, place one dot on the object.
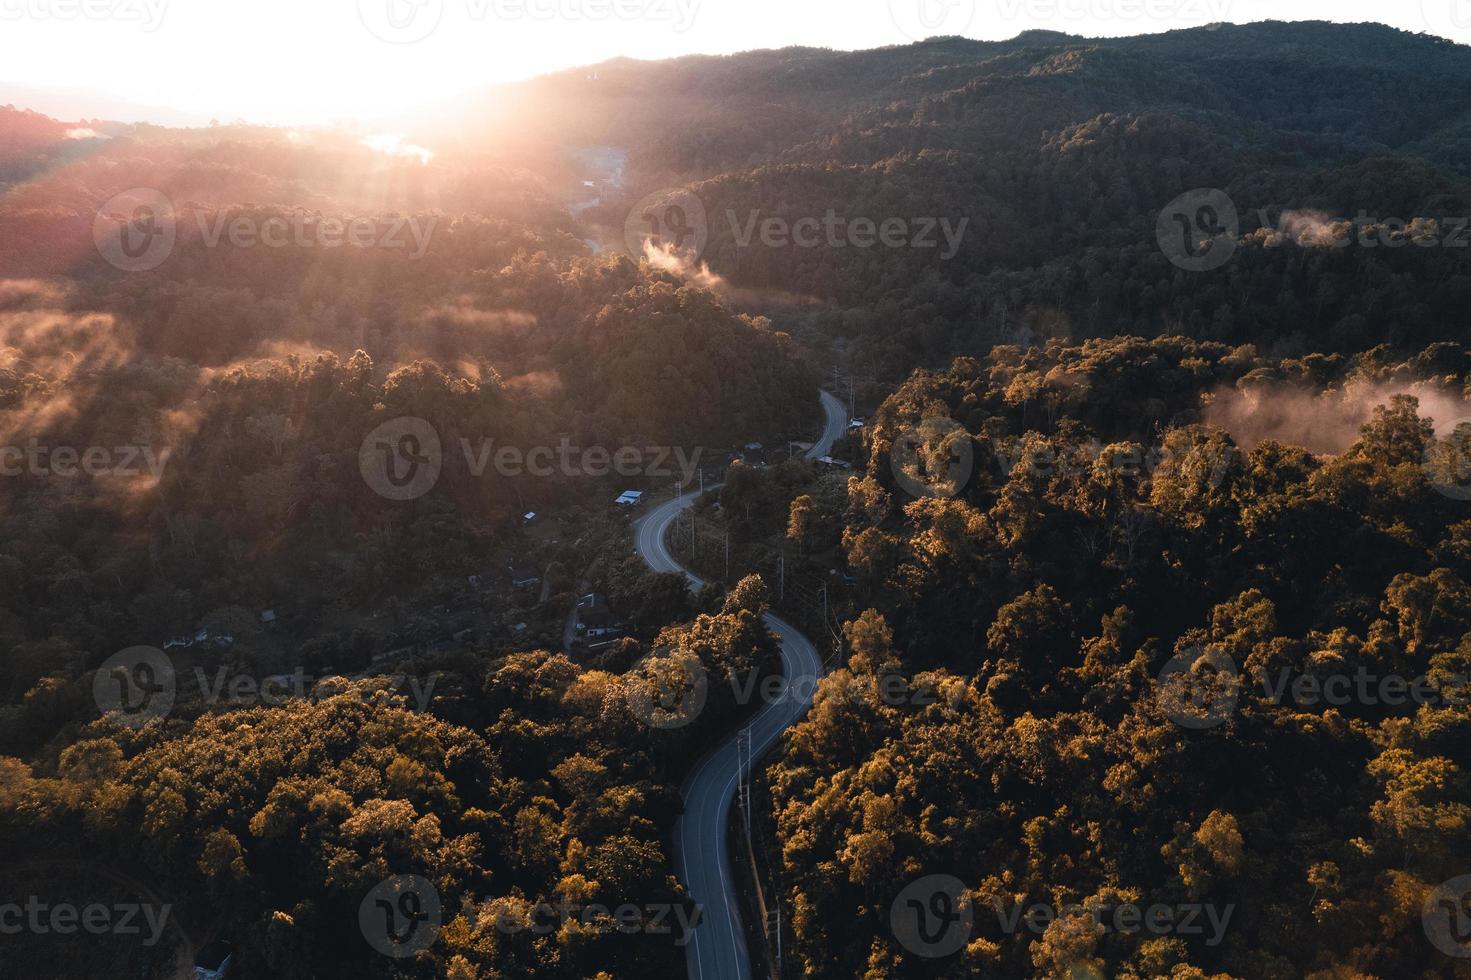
(291, 61)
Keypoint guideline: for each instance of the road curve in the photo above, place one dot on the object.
(717, 950)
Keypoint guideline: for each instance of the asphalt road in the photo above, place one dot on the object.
(702, 853)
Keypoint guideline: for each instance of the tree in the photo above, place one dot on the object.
(800, 521)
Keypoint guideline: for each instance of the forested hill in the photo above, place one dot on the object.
(1351, 88)
(1059, 153)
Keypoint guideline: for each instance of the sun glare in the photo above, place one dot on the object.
(285, 62)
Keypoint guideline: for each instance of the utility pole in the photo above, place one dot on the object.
(727, 556)
(741, 771)
(743, 766)
(777, 896)
(773, 922)
(781, 565)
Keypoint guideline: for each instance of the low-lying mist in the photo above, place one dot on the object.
(1322, 422)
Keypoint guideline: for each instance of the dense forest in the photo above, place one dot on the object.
(1054, 568)
(1061, 153)
(231, 389)
(1113, 523)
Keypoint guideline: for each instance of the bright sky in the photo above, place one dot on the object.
(306, 61)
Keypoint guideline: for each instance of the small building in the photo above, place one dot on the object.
(268, 617)
(630, 498)
(595, 620)
(834, 464)
(528, 518)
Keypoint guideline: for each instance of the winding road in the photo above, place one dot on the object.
(702, 854)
